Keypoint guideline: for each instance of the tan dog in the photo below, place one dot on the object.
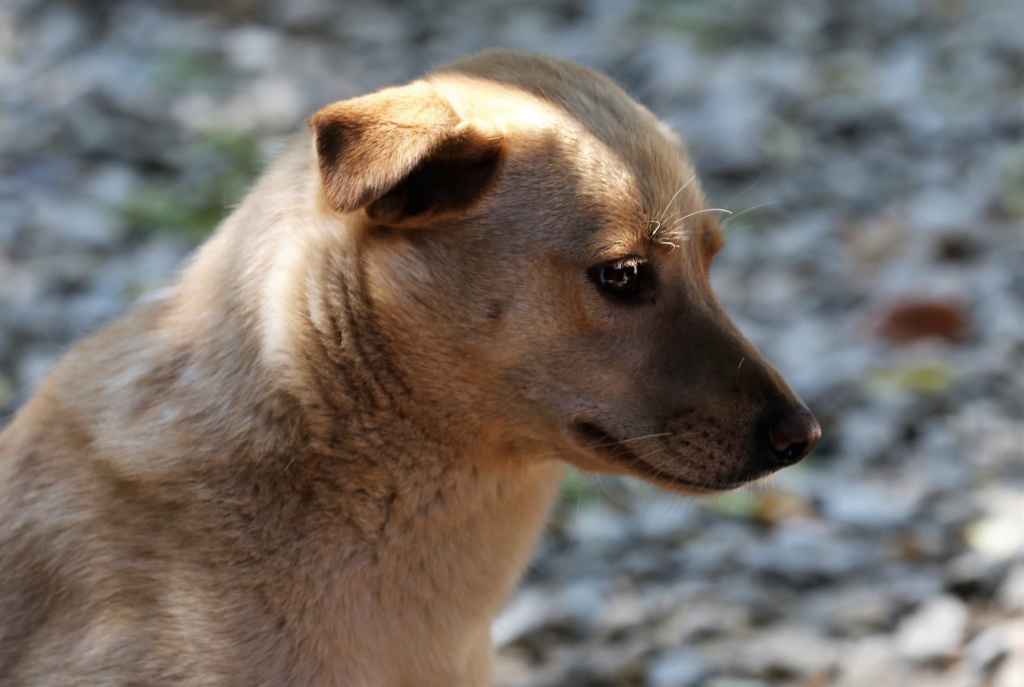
(325, 456)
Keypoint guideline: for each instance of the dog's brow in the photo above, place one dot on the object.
(612, 251)
(677, 228)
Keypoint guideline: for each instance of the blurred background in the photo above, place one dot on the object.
(873, 157)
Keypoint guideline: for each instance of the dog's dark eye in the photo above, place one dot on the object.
(626, 279)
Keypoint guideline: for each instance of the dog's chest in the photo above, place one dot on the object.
(420, 598)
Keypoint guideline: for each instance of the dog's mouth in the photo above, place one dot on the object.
(611, 450)
(605, 445)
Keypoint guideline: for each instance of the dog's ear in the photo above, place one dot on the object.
(402, 154)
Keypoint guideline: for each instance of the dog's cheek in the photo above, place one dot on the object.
(393, 274)
(440, 328)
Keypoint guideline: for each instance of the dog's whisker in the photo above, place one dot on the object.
(675, 217)
(675, 195)
(653, 235)
(738, 368)
(735, 197)
(619, 442)
(613, 498)
(737, 215)
(676, 221)
(562, 453)
(576, 518)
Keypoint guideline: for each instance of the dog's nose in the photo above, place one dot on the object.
(793, 436)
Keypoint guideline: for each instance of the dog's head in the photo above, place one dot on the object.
(533, 250)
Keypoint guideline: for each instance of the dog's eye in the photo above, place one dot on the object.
(626, 279)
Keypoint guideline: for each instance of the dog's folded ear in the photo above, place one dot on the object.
(403, 154)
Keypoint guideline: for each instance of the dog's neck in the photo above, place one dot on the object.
(439, 549)
(381, 520)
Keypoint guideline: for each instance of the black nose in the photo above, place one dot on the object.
(792, 437)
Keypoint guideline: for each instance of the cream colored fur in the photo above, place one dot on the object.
(324, 457)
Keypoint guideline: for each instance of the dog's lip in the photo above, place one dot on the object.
(597, 440)
(610, 449)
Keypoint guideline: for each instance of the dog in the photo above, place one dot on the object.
(324, 456)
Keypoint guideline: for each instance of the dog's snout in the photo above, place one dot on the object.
(792, 436)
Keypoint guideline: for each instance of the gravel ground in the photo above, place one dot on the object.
(872, 154)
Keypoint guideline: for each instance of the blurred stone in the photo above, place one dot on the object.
(305, 13)
(935, 210)
(998, 537)
(865, 433)
(112, 185)
(789, 651)
(873, 242)
(195, 111)
(6, 387)
(597, 522)
(876, 505)
(57, 32)
(1010, 673)
(725, 137)
(89, 310)
(573, 609)
(803, 552)
(525, 614)
(933, 631)
(13, 218)
(581, 603)
(996, 438)
(664, 516)
(78, 222)
(621, 611)
(676, 669)
(856, 610)
(692, 621)
(872, 662)
(1011, 197)
(513, 668)
(733, 682)
(10, 43)
(269, 104)
(994, 645)
(971, 575)
(1011, 592)
(620, 662)
(368, 23)
(252, 48)
(34, 366)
